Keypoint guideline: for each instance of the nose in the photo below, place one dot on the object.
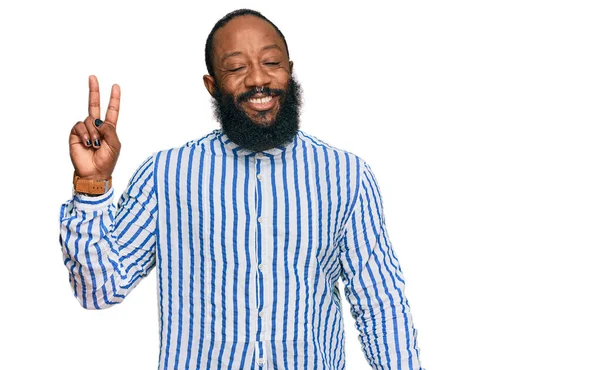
(257, 76)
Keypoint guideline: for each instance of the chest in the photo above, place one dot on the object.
(233, 212)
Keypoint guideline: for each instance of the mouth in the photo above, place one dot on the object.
(261, 103)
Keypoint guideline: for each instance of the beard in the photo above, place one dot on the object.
(245, 132)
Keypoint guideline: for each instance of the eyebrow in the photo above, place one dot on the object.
(234, 53)
(230, 55)
(272, 46)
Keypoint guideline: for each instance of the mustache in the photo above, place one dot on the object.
(255, 91)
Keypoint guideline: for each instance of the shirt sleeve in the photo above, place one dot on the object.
(107, 250)
(374, 284)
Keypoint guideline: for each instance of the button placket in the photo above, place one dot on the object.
(259, 252)
(264, 221)
(260, 355)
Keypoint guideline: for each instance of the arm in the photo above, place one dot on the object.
(106, 253)
(108, 249)
(374, 284)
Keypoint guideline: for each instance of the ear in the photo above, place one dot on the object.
(209, 83)
(291, 65)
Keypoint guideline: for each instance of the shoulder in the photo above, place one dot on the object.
(196, 145)
(165, 161)
(318, 144)
(202, 142)
(329, 150)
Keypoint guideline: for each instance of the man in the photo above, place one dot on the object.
(250, 227)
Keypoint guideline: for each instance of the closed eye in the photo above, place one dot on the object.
(235, 69)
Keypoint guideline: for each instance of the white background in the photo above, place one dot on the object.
(479, 118)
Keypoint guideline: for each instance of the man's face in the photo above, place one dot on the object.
(249, 54)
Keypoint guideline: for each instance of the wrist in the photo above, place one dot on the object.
(92, 186)
(94, 177)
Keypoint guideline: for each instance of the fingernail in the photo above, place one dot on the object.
(88, 142)
(98, 122)
(96, 142)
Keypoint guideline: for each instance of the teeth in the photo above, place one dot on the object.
(266, 99)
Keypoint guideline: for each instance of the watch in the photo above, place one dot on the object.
(91, 187)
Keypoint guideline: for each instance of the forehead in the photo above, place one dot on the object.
(246, 34)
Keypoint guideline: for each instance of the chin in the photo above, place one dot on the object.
(263, 119)
(263, 123)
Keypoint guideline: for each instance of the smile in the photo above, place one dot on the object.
(260, 100)
(262, 103)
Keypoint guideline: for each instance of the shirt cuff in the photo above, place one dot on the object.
(90, 203)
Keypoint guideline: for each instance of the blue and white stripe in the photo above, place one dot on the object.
(249, 249)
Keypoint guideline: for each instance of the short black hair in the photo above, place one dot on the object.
(208, 49)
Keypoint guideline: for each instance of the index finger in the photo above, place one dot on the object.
(94, 99)
(112, 112)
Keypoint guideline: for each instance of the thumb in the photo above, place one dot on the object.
(108, 133)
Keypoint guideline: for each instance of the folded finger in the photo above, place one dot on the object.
(93, 131)
(81, 132)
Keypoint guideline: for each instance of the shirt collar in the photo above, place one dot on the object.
(234, 148)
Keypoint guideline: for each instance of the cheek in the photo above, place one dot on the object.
(281, 76)
(232, 85)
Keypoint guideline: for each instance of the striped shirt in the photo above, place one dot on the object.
(249, 248)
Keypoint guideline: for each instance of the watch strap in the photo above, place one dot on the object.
(92, 187)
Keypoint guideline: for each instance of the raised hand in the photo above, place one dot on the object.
(93, 144)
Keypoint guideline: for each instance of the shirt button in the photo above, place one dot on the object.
(261, 361)
(259, 176)
(259, 156)
(262, 337)
(260, 219)
(260, 267)
(260, 314)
